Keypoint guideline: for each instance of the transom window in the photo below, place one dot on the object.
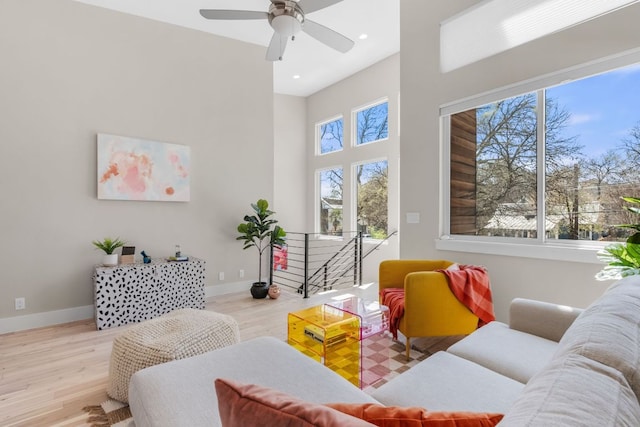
(372, 123)
(330, 136)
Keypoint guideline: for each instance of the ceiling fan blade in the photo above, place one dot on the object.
(232, 14)
(276, 47)
(309, 6)
(327, 36)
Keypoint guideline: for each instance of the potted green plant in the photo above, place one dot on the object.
(108, 245)
(623, 259)
(260, 231)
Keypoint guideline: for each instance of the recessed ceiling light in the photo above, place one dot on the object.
(296, 76)
(363, 36)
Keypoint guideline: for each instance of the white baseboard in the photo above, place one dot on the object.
(49, 318)
(39, 320)
(226, 288)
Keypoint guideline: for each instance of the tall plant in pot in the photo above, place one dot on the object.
(623, 259)
(260, 231)
(108, 245)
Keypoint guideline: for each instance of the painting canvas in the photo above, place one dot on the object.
(280, 257)
(138, 169)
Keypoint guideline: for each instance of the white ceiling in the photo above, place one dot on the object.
(317, 65)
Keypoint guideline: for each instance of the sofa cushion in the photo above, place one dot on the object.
(397, 416)
(181, 393)
(446, 382)
(512, 353)
(254, 405)
(575, 391)
(608, 331)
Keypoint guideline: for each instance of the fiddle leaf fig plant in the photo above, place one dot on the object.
(623, 259)
(260, 231)
(108, 245)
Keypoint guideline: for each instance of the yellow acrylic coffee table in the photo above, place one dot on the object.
(334, 333)
(329, 335)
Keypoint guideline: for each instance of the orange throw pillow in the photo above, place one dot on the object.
(258, 406)
(396, 416)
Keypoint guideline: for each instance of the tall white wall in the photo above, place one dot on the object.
(70, 71)
(290, 156)
(424, 89)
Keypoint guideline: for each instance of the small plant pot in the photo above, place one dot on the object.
(259, 290)
(274, 291)
(110, 260)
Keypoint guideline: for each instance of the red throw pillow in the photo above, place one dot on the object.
(396, 416)
(257, 406)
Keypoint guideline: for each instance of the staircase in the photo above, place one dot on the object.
(310, 262)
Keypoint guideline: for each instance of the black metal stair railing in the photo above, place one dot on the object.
(311, 263)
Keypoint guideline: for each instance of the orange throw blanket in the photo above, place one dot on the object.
(470, 284)
(394, 299)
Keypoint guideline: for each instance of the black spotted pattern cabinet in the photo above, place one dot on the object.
(131, 293)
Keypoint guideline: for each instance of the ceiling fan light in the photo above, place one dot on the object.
(286, 25)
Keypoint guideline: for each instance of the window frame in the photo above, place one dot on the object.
(354, 121)
(318, 141)
(541, 248)
(318, 192)
(354, 192)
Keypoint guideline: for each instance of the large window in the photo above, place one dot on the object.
(548, 165)
(372, 197)
(352, 175)
(331, 201)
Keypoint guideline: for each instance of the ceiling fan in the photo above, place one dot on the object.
(287, 18)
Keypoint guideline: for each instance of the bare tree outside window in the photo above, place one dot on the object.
(331, 136)
(589, 165)
(372, 123)
(331, 202)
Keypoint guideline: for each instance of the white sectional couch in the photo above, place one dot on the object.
(551, 365)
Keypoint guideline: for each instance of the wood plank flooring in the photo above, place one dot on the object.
(48, 375)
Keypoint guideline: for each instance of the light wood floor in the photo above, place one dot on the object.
(48, 375)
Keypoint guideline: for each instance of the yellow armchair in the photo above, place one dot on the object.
(430, 308)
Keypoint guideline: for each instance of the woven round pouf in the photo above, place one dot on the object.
(182, 333)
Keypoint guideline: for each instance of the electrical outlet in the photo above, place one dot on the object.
(241, 274)
(21, 304)
(221, 275)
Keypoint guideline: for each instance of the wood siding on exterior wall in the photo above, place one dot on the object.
(463, 173)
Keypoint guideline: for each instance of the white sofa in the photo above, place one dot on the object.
(543, 369)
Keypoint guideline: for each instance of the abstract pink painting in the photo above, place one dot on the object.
(138, 169)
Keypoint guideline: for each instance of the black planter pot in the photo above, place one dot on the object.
(259, 290)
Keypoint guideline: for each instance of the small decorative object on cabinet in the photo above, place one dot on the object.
(261, 231)
(145, 258)
(127, 254)
(108, 245)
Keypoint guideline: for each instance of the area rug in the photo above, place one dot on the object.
(383, 359)
(109, 414)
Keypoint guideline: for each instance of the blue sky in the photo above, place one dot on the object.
(603, 108)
